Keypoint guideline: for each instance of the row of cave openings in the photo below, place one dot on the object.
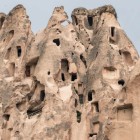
(9, 36)
(18, 48)
(18, 51)
(113, 39)
(89, 19)
(95, 104)
(65, 71)
(124, 113)
(38, 110)
(32, 112)
(108, 71)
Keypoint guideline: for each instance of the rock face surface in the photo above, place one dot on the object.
(76, 80)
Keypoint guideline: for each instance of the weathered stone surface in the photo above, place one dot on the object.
(78, 81)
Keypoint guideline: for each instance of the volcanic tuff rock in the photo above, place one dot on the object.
(76, 80)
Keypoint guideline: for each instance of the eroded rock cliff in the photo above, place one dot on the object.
(76, 80)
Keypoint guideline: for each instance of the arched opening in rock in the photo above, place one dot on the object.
(73, 76)
(6, 117)
(81, 98)
(128, 58)
(56, 41)
(90, 20)
(42, 95)
(19, 51)
(78, 116)
(64, 69)
(75, 20)
(28, 71)
(121, 82)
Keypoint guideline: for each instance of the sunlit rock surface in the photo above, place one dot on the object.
(76, 80)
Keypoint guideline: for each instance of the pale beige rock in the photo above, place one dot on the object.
(70, 81)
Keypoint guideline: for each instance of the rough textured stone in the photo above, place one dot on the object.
(74, 80)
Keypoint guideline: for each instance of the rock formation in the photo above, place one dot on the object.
(76, 80)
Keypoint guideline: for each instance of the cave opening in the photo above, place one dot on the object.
(112, 31)
(90, 20)
(90, 94)
(78, 116)
(19, 51)
(6, 117)
(62, 76)
(42, 95)
(73, 76)
(28, 71)
(56, 41)
(121, 82)
(96, 105)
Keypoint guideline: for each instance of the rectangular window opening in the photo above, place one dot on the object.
(62, 76)
(96, 106)
(90, 95)
(90, 20)
(65, 65)
(19, 51)
(28, 71)
(73, 76)
(112, 31)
